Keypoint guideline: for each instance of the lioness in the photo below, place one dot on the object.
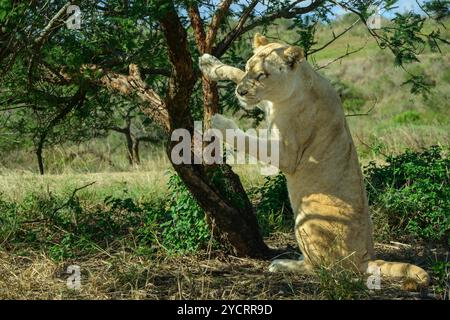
(317, 156)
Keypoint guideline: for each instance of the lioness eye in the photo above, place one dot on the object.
(260, 76)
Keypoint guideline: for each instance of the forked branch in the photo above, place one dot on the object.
(132, 84)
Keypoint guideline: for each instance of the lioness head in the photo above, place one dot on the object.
(270, 72)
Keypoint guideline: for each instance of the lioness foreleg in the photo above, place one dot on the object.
(213, 69)
(224, 124)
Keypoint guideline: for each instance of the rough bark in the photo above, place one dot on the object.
(204, 41)
(235, 222)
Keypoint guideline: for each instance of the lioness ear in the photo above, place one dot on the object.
(293, 54)
(259, 40)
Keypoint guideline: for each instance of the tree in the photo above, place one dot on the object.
(159, 41)
(51, 114)
(42, 105)
(135, 127)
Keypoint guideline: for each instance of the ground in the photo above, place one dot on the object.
(205, 275)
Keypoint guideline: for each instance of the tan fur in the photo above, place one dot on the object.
(259, 40)
(317, 156)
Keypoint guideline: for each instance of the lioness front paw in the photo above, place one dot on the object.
(208, 65)
(222, 123)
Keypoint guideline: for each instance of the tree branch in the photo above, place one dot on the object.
(373, 33)
(153, 106)
(39, 41)
(51, 24)
(363, 114)
(335, 37)
(233, 34)
(118, 129)
(155, 71)
(17, 106)
(197, 26)
(215, 24)
(287, 13)
(346, 54)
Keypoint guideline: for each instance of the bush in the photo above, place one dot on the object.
(407, 117)
(352, 99)
(65, 227)
(186, 229)
(412, 193)
(441, 273)
(273, 207)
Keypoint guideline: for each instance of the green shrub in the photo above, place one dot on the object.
(354, 104)
(352, 99)
(412, 193)
(186, 229)
(407, 117)
(67, 228)
(441, 273)
(273, 207)
(70, 246)
(8, 219)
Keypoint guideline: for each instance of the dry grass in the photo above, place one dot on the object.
(15, 185)
(138, 183)
(207, 275)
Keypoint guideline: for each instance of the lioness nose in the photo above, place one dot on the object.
(242, 92)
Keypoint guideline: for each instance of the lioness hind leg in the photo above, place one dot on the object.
(287, 265)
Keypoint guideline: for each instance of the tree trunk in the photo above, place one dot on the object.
(233, 222)
(210, 100)
(137, 157)
(40, 159)
(249, 224)
(129, 140)
(227, 208)
(246, 222)
(215, 187)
